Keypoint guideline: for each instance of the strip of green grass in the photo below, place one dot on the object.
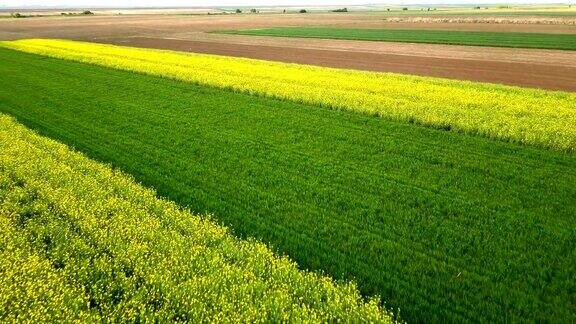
(521, 40)
(447, 227)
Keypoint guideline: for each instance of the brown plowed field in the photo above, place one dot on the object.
(524, 67)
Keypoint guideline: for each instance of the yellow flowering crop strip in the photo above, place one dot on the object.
(81, 241)
(30, 288)
(531, 116)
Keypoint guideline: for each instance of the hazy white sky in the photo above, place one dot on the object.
(191, 3)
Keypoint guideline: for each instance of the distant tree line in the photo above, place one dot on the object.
(239, 11)
(83, 13)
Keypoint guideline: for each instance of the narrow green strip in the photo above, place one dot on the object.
(496, 39)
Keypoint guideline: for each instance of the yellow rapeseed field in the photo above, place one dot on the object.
(81, 241)
(539, 117)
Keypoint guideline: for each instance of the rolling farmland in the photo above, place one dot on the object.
(471, 38)
(379, 164)
(445, 225)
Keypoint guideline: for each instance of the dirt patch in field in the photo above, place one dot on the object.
(525, 67)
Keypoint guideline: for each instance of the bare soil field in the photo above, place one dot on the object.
(524, 67)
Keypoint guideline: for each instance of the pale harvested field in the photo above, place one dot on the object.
(500, 23)
(525, 67)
